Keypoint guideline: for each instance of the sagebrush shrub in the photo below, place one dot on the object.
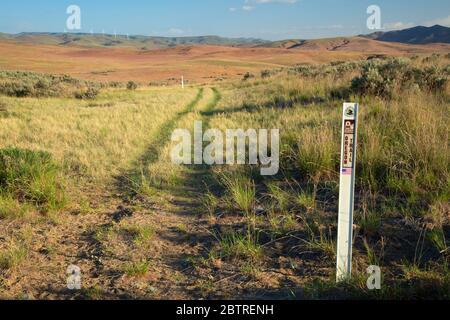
(90, 93)
(115, 84)
(131, 85)
(248, 76)
(31, 84)
(335, 69)
(265, 74)
(15, 89)
(387, 78)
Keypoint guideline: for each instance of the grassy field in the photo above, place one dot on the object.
(88, 181)
(198, 63)
(402, 212)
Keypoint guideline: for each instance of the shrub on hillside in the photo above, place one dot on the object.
(265, 74)
(31, 177)
(16, 89)
(31, 84)
(248, 76)
(4, 113)
(115, 84)
(90, 93)
(335, 68)
(131, 85)
(385, 78)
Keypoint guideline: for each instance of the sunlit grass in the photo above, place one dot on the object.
(86, 137)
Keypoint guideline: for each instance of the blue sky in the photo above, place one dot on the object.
(267, 19)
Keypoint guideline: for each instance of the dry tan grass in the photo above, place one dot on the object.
(95, 138)
(402, 186)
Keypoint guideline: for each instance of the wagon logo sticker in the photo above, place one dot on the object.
(350, 112)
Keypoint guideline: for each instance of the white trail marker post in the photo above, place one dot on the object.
(182, 82)
(347, 192)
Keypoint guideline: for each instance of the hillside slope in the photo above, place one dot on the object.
(354, 44)
(108, 40)
(416, 35)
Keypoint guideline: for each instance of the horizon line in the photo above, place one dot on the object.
(208, 35)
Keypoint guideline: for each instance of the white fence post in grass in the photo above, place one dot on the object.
(182, 82)
(347, 192)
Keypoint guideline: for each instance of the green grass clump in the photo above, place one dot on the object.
(30, 177)
(242, 192)
(369, 222)
(281, 197)
(210, 203)
(137, 269)
(141, 234)
(438, 238)
(306, 201)
(238, 246)
(13, 256)
(93, 293)
(323, 244)
(10, 208)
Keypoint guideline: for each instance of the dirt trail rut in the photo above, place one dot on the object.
(179, 233)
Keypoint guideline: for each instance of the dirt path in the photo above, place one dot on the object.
(131, 246)
(113, 265)
(101, 243)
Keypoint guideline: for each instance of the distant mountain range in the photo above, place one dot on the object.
(139, 42)
(384, 40)
(416, 35)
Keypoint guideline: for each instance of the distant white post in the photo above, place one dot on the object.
(347, 192)
(182, 82)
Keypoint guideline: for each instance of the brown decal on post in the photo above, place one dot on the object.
(349, 144)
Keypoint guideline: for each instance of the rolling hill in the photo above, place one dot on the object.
(354, 44)
(416, 35)
(199, 59)
(135, 41)
(411, 39)
(376, 41)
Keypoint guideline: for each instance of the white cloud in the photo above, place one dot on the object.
(335, 26)
(441, 21)
(175, 31)
(398, 25)
(232, 9)
(250, 4)
(405, 25)
(271, 1)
